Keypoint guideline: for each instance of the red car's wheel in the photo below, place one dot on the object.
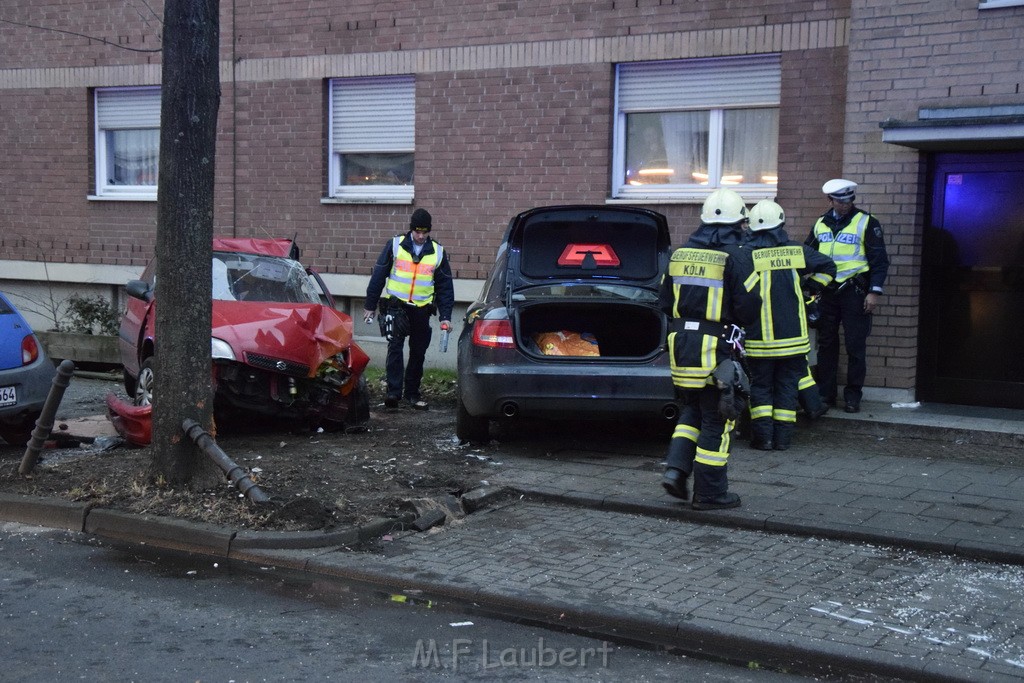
(143, 394)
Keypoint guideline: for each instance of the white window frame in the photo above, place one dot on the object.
(123, 109)
(370, 115)
(705, 84)
(993, 4)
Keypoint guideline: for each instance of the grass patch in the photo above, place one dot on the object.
(438, 386)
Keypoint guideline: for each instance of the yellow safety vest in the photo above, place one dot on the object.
(409, 281)
(846, 247)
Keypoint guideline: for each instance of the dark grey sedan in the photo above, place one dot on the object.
(567, 324)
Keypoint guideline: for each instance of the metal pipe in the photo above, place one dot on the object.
(44, 425)
(236, 474)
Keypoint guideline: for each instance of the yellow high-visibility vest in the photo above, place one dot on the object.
(411, 282)
(846, 247)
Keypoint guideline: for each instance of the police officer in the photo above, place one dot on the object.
(415, 277)
(777, 342)
(706, 292)
(853, 239)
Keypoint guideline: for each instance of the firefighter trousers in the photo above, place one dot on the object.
(702, 441)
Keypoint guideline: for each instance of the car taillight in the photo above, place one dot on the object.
(493, 333)
(29, 350)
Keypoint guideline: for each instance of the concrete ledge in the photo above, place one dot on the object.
(81, 348)
(160, 532)
(296, 540)
(305, 540)
(55, 513)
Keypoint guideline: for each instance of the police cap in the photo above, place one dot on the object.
(838, 188)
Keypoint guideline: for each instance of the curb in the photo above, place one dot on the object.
(880, 428)
(202, 538)
(176, 534)
(54, 513)
(776, 524)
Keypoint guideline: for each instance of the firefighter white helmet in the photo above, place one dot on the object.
(838, 188)
(723, 206)
(766, 215)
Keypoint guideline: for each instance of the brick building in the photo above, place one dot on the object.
(338, 119)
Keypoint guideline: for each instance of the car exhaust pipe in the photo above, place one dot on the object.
(510, 409)
(670, 411)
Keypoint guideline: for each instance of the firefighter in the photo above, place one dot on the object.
(707, 293)
(777, 342)
(415, 277)
(853, 239)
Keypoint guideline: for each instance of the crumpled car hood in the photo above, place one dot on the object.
(302, 333)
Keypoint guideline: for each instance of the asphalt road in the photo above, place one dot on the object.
(74, 609)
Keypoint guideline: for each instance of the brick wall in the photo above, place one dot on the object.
(520, 115)
(902, 57)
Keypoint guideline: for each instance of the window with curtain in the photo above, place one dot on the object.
(373, 132)
(127, 142)
(684, 128)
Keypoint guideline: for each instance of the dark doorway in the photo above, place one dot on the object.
(972, 294)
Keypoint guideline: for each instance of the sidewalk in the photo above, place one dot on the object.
(830, 565)
(931, 500)
(828, 568)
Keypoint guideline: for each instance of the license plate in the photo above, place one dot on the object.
(8, 396)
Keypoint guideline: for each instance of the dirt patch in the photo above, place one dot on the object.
(315, 480)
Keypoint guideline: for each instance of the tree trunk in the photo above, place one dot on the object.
(190, 98)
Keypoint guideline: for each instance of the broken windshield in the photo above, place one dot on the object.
(251, 277)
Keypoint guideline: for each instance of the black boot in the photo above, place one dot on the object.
(810, 401)
(761, 434)
(674, 483)
(783, 436)
(723, 502)
(711, 488)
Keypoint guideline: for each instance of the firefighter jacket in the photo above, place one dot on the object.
(706, 289)
(780, 265)
(855, 243)
(416, 280)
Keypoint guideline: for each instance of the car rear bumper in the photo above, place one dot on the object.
(33, 386)
(556, 390)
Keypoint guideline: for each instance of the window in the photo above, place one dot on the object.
(372, 139)
(127, 142)
(992, 4)
(686, 127)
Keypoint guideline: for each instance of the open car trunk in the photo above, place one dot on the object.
(623, 331)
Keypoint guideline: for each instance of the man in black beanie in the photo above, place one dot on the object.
(411, 281)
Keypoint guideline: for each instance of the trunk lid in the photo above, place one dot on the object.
(588, 245)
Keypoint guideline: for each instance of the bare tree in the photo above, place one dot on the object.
(190, 100)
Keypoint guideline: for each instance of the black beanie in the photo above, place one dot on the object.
(420, 219)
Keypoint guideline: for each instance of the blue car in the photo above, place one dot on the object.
(26, 373)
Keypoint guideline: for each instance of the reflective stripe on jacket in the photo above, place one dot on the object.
(410, 281)
(845, 247)
(705, 284)
(781, 329)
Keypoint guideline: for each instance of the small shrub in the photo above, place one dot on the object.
(90, 315)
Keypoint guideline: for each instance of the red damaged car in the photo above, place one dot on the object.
(279, 347)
